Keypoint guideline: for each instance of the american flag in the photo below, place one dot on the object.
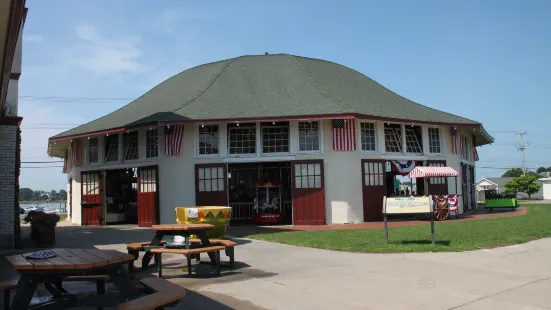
(475, 154)
(344, 135)
(457, 142)
(74, 153)
(173, 139)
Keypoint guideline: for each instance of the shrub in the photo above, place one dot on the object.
(40, 218)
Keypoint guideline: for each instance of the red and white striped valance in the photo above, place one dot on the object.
(431, 172)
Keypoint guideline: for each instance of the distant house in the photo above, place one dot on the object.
(498, 184)
(546, 187)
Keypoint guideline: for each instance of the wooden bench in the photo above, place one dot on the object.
(188, 252)
(163, 293)
(137, 247)
(100, 280)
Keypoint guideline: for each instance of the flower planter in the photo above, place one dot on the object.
(42, 227)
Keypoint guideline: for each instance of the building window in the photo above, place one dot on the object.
(275, 137)
(93, 150)
(309, 137)
(211, 179)
(374, 174)
(464, 148)
(152, 143)
(112, 148)
(308, 175)
(242, 139)
(393, 138)
(368, 137)
(434, 141)
(130, 146)
(208, 139)
(414, 140)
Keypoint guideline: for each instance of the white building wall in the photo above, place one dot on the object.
(546, 188)
(342, 169)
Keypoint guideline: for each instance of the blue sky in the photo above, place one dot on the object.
(484, 60)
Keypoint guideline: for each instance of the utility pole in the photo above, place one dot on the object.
(521, 148)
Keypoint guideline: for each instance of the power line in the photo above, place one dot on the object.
(40, 167)
(40, 162)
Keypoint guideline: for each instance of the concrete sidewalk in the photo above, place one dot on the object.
(276, 276)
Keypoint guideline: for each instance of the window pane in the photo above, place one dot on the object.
(297, 170)
(201, 173)
(93, 150)
(304, 168)
(112, 148)
(305, 182)
(152, 143)
(201, 185)
(242, 139)
(208, 185)
(309, 136)
(207, 173)
(317, 169)
(214, 184)
(220, 184)
(208, 139)
(214, 172)
(221, 172)
(298, 183)
(130, 145)
(368, 136)
(317, 181)
(275, 137)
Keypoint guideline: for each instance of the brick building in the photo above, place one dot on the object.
(12, 19)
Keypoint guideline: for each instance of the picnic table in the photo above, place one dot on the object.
(185, 230)
(59, 264)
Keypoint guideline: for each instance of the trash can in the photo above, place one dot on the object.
(218, 216)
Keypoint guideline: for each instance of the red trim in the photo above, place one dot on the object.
(278, 118)
(16, 18)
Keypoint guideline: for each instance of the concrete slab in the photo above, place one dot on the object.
(276, 276)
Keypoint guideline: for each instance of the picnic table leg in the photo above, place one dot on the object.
(122, 282)
(27, 286)
(156, 241)
(206, 242)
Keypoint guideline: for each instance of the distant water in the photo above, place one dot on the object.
(54, 206)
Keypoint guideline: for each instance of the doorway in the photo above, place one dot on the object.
(260, 193)
(121, 196)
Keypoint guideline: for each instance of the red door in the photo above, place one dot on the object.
(437, 186)
(211, 185)
(308, 192)
(148, 198)
(373, 189)
(91, 200)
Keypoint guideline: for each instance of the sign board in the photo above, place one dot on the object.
(407, 205)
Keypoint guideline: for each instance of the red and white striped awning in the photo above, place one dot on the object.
(430, 172)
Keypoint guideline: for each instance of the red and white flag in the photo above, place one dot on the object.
(173, 139)
(344, 134)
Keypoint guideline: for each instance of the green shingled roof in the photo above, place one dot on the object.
(262, 87)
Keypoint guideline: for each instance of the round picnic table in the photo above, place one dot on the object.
(64, 263)
(185, 230)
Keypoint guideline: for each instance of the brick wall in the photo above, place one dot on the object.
(8, 156)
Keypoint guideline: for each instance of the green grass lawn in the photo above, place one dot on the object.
(450, 235)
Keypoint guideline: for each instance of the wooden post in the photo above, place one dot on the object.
(386, 228)
(432, 227)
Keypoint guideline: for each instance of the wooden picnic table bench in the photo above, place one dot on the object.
(185, 230)
(188, 252)
(137, 247)
(163, 293)
(71, 265)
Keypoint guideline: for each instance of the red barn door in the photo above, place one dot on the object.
(308, 192)
(437, 186)
(211, 185)
(373, 189)
(91, 198)
(148, 198)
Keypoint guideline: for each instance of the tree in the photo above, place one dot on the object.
(549, 169)
(25, 194)
(513, 173)
(62, 195)
(524, 184)
(541, 170)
